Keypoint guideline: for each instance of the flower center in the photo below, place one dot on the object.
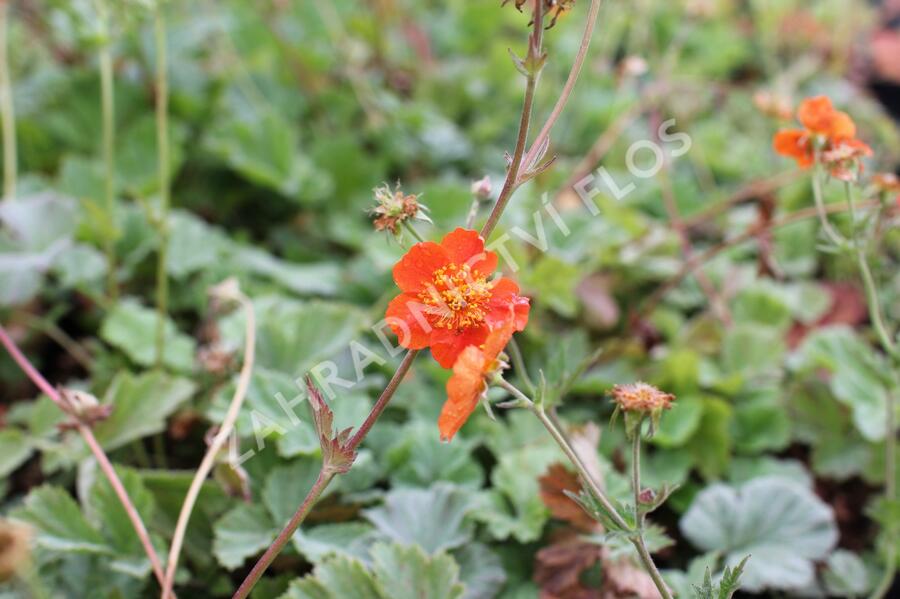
(456, 297)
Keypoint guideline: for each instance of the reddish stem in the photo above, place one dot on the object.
(102, 460)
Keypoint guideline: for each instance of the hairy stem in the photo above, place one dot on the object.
(511, 183)
(209, 460)
(888, 345)
(594, 487)
(388, 393)
(572, 79)
(7, 110)
(285, 535)
(636, 476)
(162, 142)
(109, 157)
(102, 460)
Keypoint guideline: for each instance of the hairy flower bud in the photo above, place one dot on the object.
(481, 188)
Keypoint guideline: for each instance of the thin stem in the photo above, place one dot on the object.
(102, 460)
(109, 157)
(77, 351)
(832, 234)
(412, 231)
(325, 478)
(703, 257)
(162, 141)
(218, 442)
(574, 72)
(636, 476)
(7, 109)
(512, 175)
(473, 212)
(285, 535)
(384, 398)
(518, 361)
(593, 486)
(887, 343)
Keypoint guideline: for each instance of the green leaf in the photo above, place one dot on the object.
(34, 232)
(131, 328)
(678, 424)
(352, 539)
(408, 573)
(858, 375)
(336, 578)
(397, 572)
(15, 449)
(242, 532)
(111, 516)
(711, 445)
(783, 526)
(141, 405)
(515, 507)
(420, 459)
(480, 570)
(553, 282)
(193, 245)
(59, 522)
(287, 485)
(846, 575)
(432, 518)
(264, 148)
(761, 426)
(292, 335)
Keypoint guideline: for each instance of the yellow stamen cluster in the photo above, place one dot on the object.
(641, 397)
(457, 297)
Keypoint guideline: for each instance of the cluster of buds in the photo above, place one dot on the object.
(393, 208)
(82, 408)
(15, 549)
(638, 401)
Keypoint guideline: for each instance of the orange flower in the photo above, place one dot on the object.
(472, 369)
(820, 118)
(826, 127)
(448, 303)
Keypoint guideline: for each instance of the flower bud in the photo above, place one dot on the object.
(481, 188)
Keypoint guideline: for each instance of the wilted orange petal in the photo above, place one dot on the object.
(463, 391)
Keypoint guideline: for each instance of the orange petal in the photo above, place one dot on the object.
(403, 310)
(463, 391)
(795, 144)
(505, 295)
(498, 339)
(841, 127)
(416, 268)
(465, 246)
(816, 114)
(448, 344)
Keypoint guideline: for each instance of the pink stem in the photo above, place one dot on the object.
(38, 379)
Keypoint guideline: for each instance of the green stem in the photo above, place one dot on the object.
(518, 361)
(596, 490)
(887, 343)
(636, 476)
(7, 110)
(412, 231)
(162, 140)
(832, 234)
(109, 157)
